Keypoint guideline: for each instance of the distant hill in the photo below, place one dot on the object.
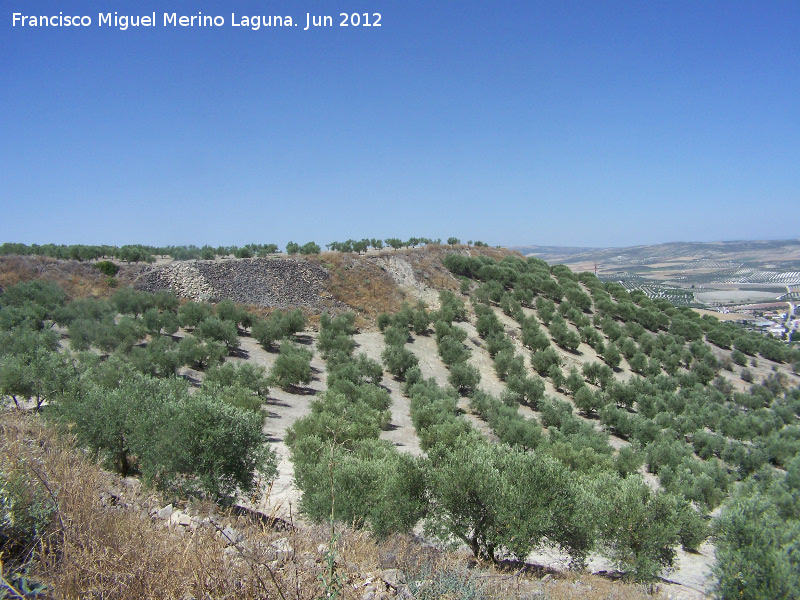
(735, 272)
(779, 253)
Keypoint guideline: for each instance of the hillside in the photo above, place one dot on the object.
(604, 387)
(741, 277)
(779, 253)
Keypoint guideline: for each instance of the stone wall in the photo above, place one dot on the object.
(270, 282)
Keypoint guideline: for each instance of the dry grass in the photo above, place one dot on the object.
(361, 283)
(77, 279)
(103, 543)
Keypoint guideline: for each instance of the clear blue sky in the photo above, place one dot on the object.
(587, 123)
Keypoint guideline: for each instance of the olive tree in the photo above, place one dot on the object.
(292, 367)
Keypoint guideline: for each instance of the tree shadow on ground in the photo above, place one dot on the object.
(239, 353)
(276, 402)
(301, 391)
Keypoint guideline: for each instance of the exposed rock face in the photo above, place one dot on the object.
(273, 282)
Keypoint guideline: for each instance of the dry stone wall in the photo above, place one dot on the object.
(270, 282)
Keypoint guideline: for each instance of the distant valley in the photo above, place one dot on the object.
(712, 274)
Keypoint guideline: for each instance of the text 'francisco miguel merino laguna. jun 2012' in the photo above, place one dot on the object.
(253, 22)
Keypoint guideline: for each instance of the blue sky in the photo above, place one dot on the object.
(586, 123)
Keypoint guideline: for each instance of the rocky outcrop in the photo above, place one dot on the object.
(270, 282)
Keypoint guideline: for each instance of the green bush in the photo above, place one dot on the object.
(160, 357)
(543, 360)
(107, 267)
(46, 296)
(192, 314)
(228, 311)
(756, 552)
(200, 355)
(214, 329)
(524, 390)
(639, 528)
(245, 375)
(507, 363)
(371, 485)
(292, 367)
(464, 377)
(132, 302)
(398, 360)
(196, 443)
(336, 334)
(739, 358)
(452, 351)
(491, 497)
(27, 512)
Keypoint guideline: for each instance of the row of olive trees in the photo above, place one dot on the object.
(731, 435)
(662, 521)
(503, 501)
(136, 252)
(346, 472)
(145, 253)
(134, 414)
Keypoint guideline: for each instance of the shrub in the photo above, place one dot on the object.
(192, 314)
(228, 311)
(589, 401)
(219, 445)
(159, 358)
(216, 330)
(45, 295)
(556, 376)
(199, 354)
(452, 351)
(372, 484)
(245, 375)
(526, 390)
(308, 248)
(154, 321)
(336, 334)
(755, 551)
(396, 335)
(464, 377)
(27, 510)
(639, 528)
(384, 320)
(198, 443)
(292, 367)
(452, 307)
(739, 358)
(132, 302)
(491, 497)
(277, 326)
(611, 356)
(543, 360)
(398, 360)
(507, 363)
(421, 321)
(107, 267)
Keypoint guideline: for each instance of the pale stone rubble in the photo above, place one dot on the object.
(270, 282)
